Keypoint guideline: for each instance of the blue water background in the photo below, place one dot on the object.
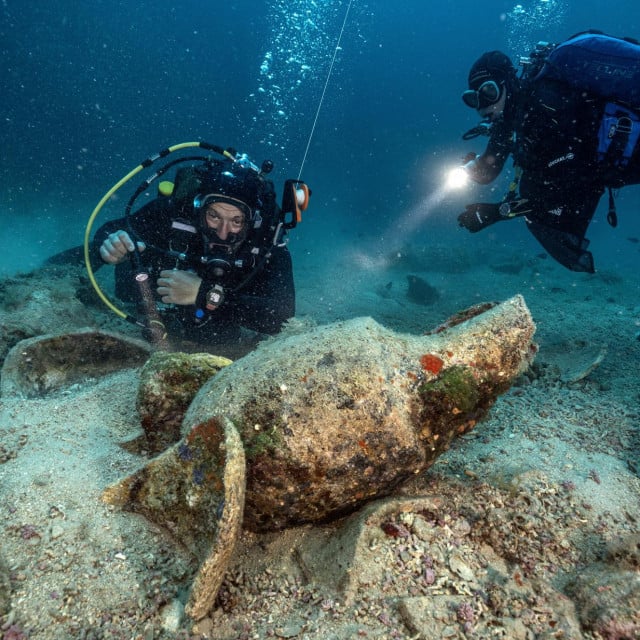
(89, 90)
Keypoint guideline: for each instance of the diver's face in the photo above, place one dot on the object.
(493, 111)
(225, 219)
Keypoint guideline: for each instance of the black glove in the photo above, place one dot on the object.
(479, 215)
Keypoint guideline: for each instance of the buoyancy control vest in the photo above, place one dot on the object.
(603, 65)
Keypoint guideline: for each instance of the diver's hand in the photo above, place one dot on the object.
(470, 166)
(479, 215)
(469, 158)
(116, 248)
(178, 287)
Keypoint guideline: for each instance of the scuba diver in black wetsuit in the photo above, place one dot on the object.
(571, 122)
(213, 250)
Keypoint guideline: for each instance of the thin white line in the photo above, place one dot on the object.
(324, 90)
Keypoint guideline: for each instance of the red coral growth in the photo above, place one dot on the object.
(28, 531)
(14, 632)
(431, 363)
(395, 530)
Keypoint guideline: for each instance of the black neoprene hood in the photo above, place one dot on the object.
(493, 65)
(234, 181)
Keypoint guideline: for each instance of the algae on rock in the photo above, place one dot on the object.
(168, 384)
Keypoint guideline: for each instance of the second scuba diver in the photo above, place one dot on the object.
(571, 121)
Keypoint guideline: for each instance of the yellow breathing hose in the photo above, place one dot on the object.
(96, 211)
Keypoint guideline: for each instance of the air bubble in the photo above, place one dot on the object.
(301, 42)
(530, 22)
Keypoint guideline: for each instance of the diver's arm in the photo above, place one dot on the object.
(146, 225)
(486, 167)
(269, 300)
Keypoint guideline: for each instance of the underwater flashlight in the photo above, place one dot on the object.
(456, 178)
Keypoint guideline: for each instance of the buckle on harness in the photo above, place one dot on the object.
(622, 126)
(618, 136)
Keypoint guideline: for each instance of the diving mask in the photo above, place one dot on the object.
(225, 224)
(485, 95)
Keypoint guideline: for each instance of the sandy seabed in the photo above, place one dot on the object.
(526, 528)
